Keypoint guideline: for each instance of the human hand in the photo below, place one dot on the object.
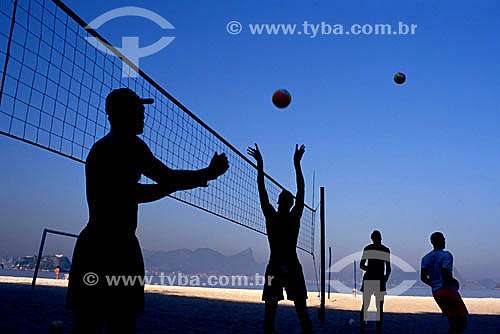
(218, 165)
(255, 153)
(299, 152)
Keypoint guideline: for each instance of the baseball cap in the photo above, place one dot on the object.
(123, 97)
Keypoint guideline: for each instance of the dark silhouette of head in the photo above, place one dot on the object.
(285, 201)
(125, 111)
(438, 240)
(376, 237)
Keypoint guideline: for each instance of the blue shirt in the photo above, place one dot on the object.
(433, 262)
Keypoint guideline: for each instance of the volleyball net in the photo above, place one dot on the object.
(54, 84)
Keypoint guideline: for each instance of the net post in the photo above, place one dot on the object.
(355, 283)
(329, 272)
(40, 251)
(321, 311)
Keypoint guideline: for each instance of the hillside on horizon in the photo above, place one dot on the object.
(202, 260)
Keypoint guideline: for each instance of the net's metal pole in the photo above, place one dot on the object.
(40, 251)
(321, 312)
(355, 283)
(329, 270)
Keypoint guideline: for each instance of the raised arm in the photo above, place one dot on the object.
(146, 193)
(185, 179)
(299, 197)
(169, 180)
(264, 198)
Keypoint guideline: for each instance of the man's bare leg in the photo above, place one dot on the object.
(305, 322)
(270, 316)
(380, 314)
(85, 322)
(364, 310)
(457, 325)
(123, 323)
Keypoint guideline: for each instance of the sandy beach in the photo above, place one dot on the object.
(172, 309)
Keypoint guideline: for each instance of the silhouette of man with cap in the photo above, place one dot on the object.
(107, 248)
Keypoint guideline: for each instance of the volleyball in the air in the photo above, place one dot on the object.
(399, 78)
(282, 98)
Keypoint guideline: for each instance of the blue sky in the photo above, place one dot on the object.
(407, 160)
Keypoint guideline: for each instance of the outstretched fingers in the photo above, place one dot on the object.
(254, 152)
(299, 152)
(301, 149)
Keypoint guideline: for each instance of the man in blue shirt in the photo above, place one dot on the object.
(436, 272)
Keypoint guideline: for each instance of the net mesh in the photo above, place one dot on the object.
(55, 85)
